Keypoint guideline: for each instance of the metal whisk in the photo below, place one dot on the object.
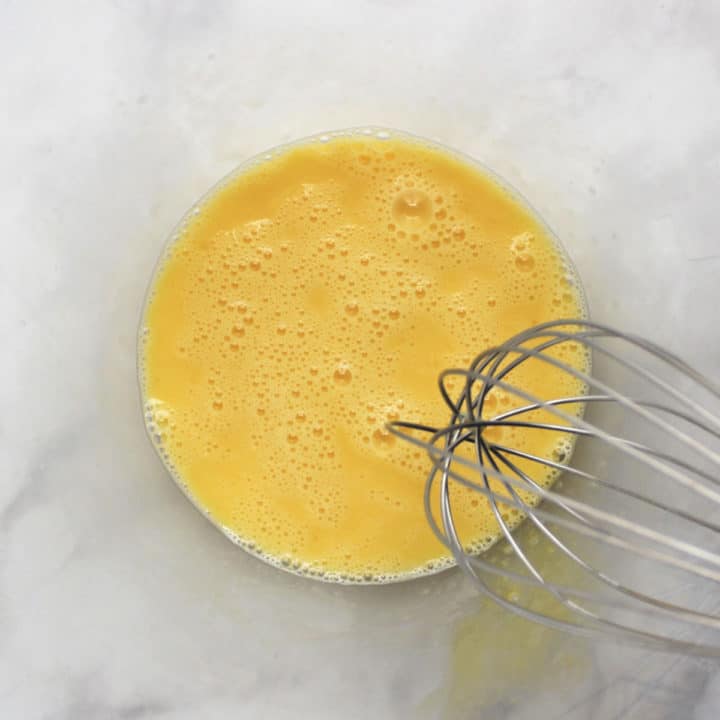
(625, 542)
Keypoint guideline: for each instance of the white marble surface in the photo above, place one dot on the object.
(117, 600)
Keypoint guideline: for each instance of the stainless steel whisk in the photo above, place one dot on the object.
(626, 542)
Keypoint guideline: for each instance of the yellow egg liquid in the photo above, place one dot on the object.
(312, 298)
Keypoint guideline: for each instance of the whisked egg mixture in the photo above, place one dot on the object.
(309, 300)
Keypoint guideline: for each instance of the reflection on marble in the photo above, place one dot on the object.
(117, 600)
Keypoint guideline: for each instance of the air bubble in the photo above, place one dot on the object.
(524, 262)
(521, 242)
(412, 204)
(342, 374)
(382, 436)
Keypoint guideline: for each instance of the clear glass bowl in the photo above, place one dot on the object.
(321, 138)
